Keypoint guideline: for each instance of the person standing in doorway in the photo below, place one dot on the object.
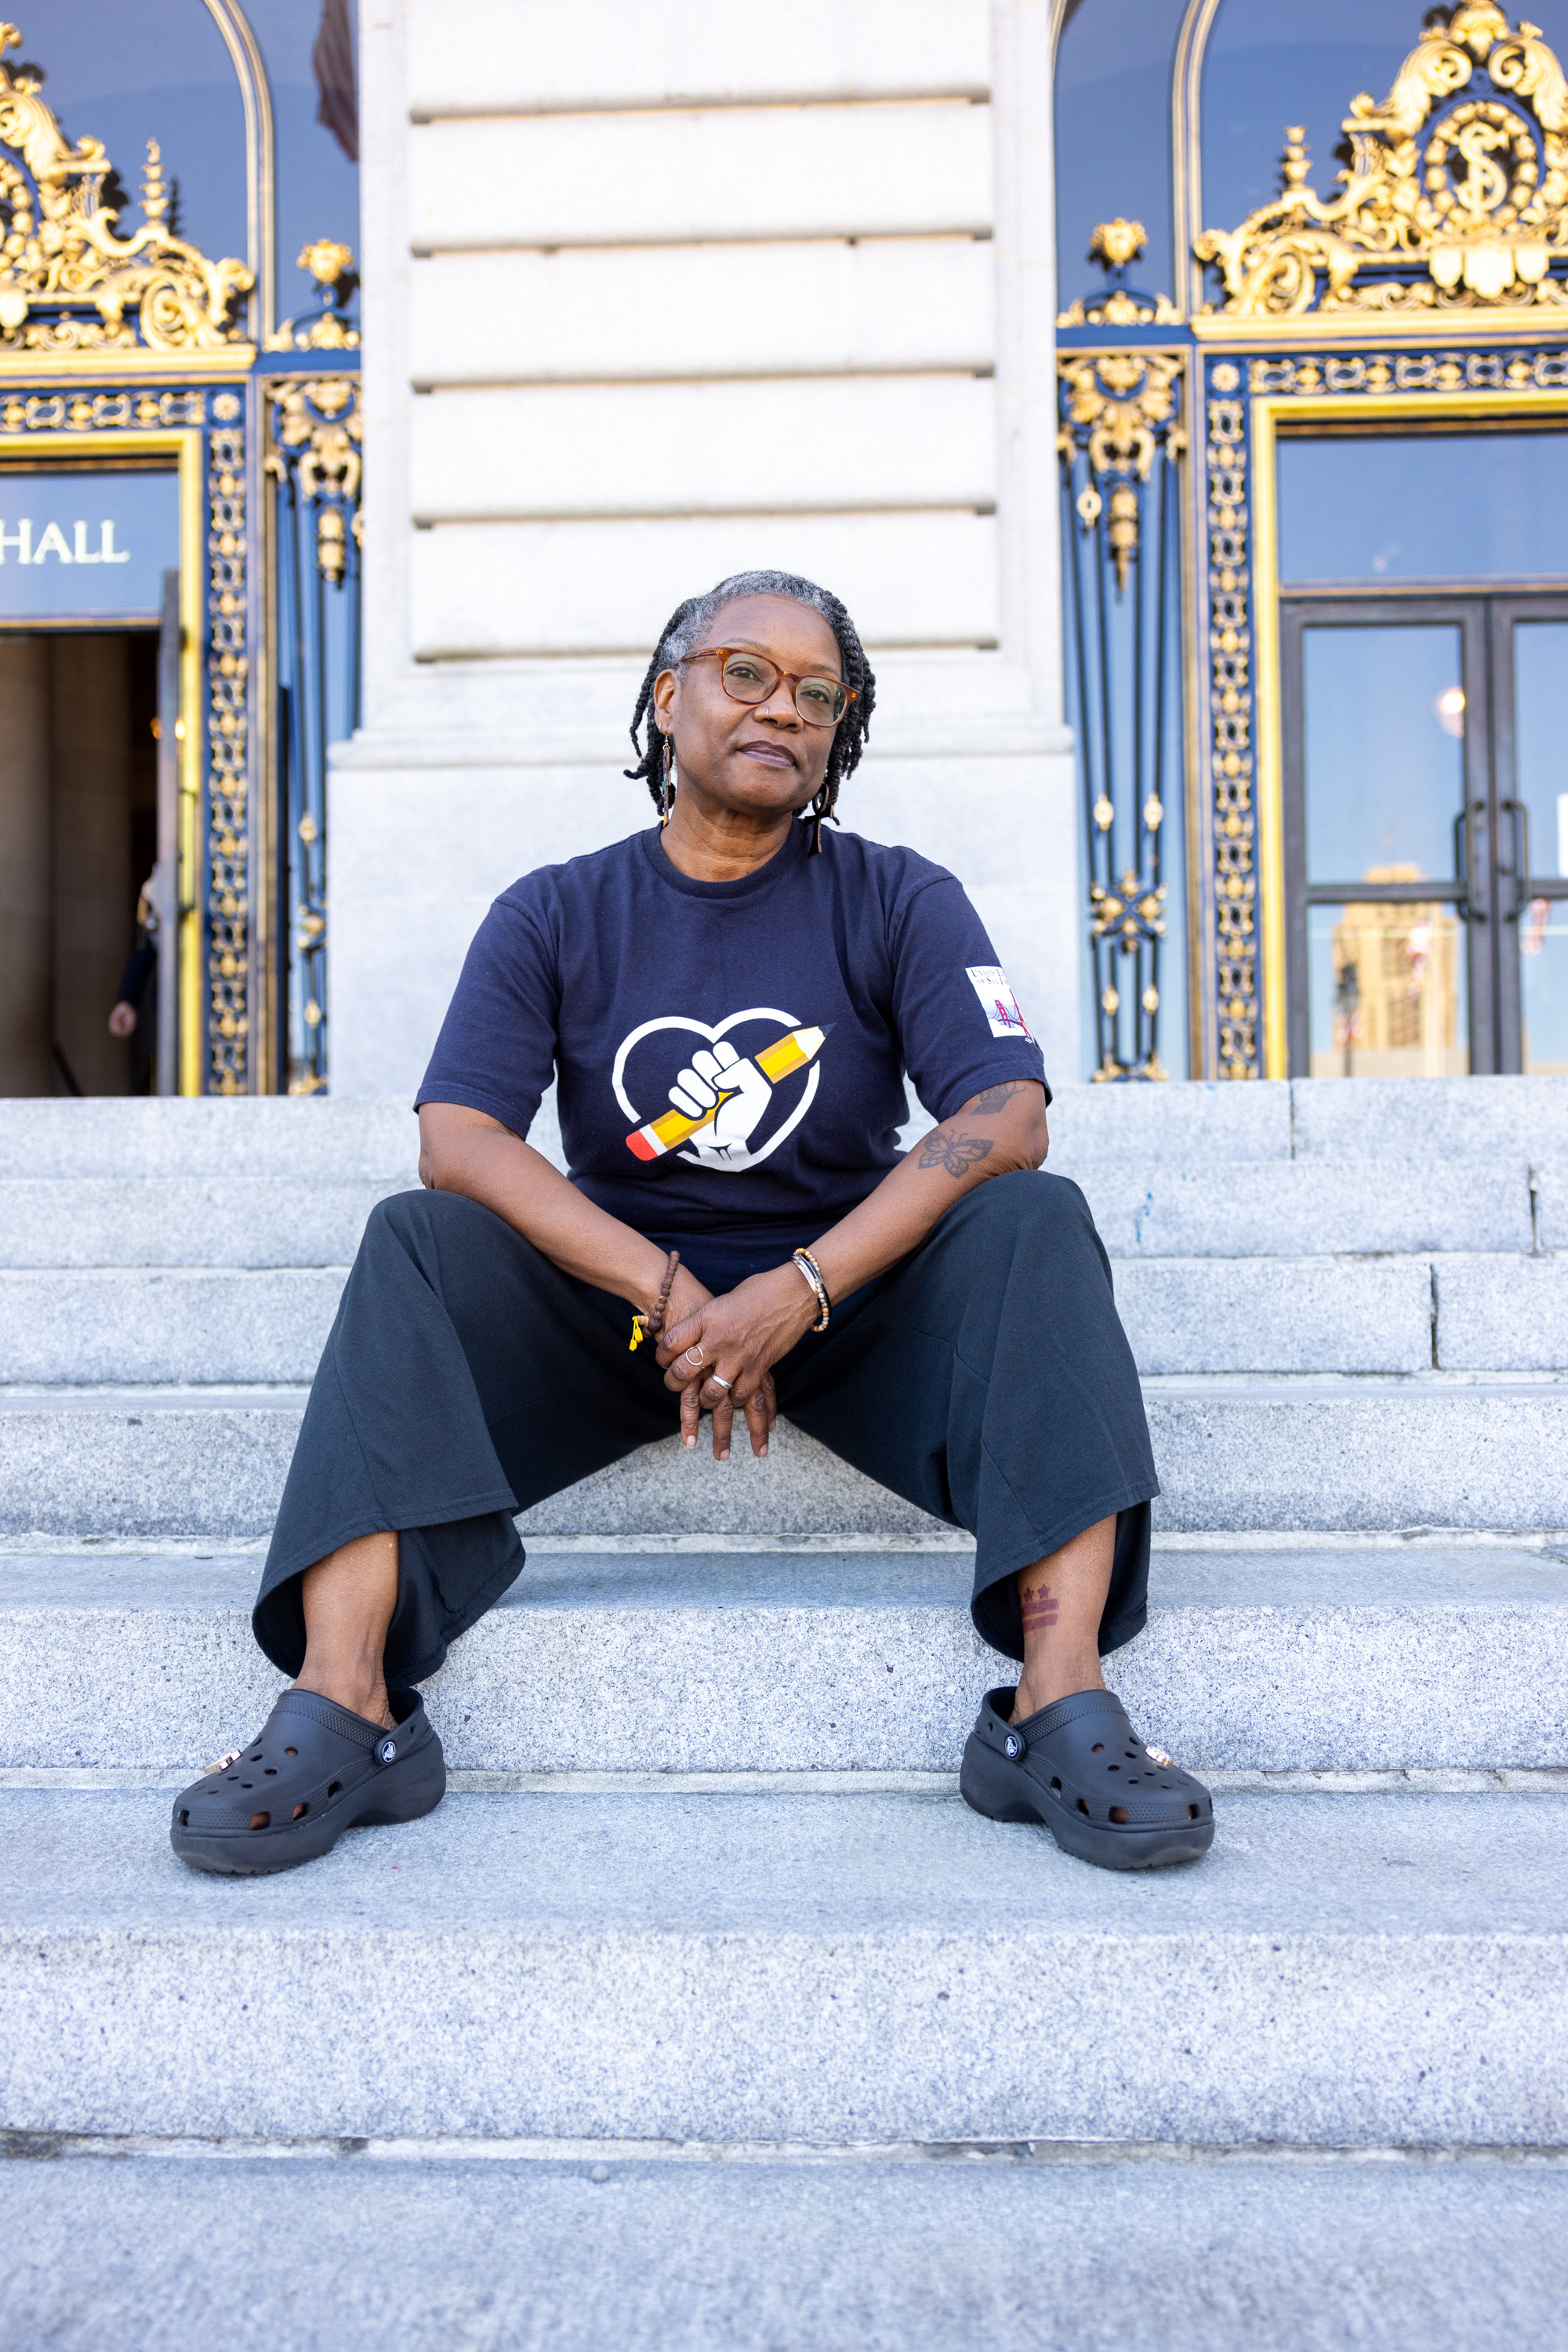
(135, 1010)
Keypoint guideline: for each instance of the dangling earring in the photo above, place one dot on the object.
(667, 795)
(818, 811)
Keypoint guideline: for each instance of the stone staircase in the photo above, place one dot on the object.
(763, 2038)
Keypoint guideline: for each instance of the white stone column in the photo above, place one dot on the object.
(94, 893)
(27, 1061)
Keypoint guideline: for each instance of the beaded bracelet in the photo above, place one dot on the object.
(813, 1274)
(649, 1326)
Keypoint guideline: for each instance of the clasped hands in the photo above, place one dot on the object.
(739, 1336)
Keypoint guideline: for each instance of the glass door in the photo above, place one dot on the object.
(1426, 835)
(1530, 665)
(1386, 849)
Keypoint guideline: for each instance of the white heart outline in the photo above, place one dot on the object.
(701, 1029)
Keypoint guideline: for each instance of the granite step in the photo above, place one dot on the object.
(1190, 1314)
(1340, 1970)
(1419, 1657)
(1522, 1118)
(1270, 1209)
(1431, 1451)
(119, 1222)
(707, 2250)
(1312, 1208)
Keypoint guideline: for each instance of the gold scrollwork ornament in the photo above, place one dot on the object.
(332, 265)
(1117, 243)
(1122, 410)
(1481, 209)
(60, 260)
(316, 431)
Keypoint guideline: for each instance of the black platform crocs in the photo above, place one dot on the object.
(1080, 1768)
(315, 1771)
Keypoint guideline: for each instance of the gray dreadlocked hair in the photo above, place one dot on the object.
(684, 632)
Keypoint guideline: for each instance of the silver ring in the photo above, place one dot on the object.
(719, 1383)
(694, 1355)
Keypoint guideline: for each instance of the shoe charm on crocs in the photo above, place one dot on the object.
(387, 1751)
(1160, 1756)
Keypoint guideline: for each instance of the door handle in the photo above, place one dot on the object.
(1519, 816)
(1470, 908)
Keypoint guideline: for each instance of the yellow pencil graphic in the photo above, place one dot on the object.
(790, 1052)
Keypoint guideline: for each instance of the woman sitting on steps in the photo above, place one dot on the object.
(731, 999)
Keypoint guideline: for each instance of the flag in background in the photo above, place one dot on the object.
(333, 58)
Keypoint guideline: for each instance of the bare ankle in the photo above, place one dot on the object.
(1047, 1681)
(361, 1696)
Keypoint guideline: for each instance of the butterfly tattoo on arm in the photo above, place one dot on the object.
(957, 1154)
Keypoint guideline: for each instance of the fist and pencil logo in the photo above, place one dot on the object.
(733, 1099)
(722, 1095)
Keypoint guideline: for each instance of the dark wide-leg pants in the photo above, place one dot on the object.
(986, 1378)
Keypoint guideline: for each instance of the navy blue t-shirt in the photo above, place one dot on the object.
(731, 1055)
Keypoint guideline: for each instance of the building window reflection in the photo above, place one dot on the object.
(1394, 979)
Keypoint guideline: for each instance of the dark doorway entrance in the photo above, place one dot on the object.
(1425, 833)
(78, 838)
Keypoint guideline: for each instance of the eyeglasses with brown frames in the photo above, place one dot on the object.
(748, 676)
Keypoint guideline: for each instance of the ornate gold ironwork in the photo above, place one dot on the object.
(315, 424)
(1121, 406)
(1231, 746)
(1118, 243)
(67, 282)
(316, 429)
(94, 411)
(1121, 436)
(228, 741)
(331, 266)
(1474, 217)
(1440, 371)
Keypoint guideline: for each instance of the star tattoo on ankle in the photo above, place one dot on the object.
(1040, 1607)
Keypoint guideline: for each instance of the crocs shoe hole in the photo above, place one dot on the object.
(290, 1751)
(1055, 1783)
(1119, 1813)
(1082, 1805)
(247, 1784)
(1099, 1748)
(260, 1820)
(185, 1817)
(301, 1811)
(335, 1787)
(1192, 1813)
(257, 1758)
(1113, 1767)
(272, 1771)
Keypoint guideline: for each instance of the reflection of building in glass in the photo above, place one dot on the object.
(1544, 1013)
(1395, 990)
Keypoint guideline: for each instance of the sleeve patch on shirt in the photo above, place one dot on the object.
(997, 1000)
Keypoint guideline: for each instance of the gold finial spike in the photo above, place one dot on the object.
(1296, 165)
(154, 188)
(1118, 242)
